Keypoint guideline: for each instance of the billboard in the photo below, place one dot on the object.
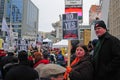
(75, 6)
(70, 26)
(75, 10)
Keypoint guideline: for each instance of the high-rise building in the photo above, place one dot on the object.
(22, 15)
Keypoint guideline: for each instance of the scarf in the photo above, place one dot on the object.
(97, 50)
(76, 60)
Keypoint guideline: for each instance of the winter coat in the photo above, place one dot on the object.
(7, 62)
(83, 70)
(22, 72)
(107, 64)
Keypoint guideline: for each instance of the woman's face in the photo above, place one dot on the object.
(80, 52)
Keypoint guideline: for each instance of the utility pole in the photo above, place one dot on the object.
(11, 29)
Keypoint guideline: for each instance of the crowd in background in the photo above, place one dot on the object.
(99, 60)
(33, 58)
(36, 58)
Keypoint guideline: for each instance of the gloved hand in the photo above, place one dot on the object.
(68, 69)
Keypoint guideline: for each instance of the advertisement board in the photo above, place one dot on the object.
(70, 26)
(73, 2)
(75, 10)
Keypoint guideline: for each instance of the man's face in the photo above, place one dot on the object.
(99, 31)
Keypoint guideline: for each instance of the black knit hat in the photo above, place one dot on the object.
(100, 23)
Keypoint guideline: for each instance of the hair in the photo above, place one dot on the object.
(10, 53)
(84, 47)
(22, 55)
(38, 56)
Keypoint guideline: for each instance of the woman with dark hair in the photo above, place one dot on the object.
(81, 67)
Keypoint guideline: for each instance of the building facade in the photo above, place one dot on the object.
(94, 13)
(58, 28)
(114, 18)
(111, 15)
(22, 15)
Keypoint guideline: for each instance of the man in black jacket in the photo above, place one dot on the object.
(106, 59)
(22, 71)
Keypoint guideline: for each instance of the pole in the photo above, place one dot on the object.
(69, 54)
(4, 17)
(11, 24)
(4, 8)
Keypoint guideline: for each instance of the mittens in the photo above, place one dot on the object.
(68, 69)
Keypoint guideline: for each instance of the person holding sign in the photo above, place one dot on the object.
(81, 67)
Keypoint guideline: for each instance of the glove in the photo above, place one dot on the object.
(68, 69)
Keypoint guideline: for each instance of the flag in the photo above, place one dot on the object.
(4, 25)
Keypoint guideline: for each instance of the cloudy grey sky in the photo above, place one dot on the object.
(49, 11)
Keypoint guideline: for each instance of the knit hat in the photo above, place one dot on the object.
(100, 23)
(50, 70)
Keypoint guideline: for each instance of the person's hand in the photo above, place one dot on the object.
(68, 69)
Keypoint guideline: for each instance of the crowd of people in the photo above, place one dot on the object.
(99, 60)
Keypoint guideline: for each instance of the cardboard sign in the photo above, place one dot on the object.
(70, 26)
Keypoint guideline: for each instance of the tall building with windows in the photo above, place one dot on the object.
(22, 15)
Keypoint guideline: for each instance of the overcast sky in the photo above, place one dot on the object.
(49, 11)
